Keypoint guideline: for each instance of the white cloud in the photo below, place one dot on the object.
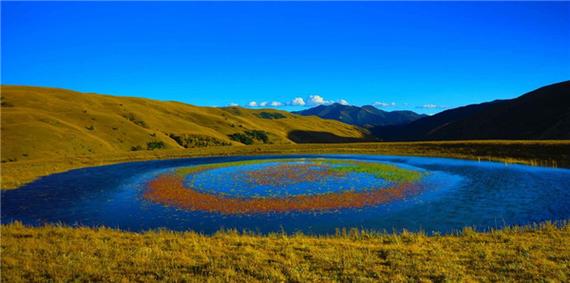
(431, 106)
(343, 102)
(384, 104)
(297, 101)
(312, 100)
(234, 104)
(315, 100)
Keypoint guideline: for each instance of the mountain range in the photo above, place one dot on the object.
(366, 116)
(40, 122)
(540, 114)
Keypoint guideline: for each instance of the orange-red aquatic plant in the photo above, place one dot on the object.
(169, 189)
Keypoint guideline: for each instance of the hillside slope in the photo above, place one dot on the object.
(540, 114)
(365, 116)
(42, 122)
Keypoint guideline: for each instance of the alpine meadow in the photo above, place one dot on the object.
(278, 141)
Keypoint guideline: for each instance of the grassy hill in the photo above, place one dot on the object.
(44, 123)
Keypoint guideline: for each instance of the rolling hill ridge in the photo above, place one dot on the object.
(540, 114)
(40, 122)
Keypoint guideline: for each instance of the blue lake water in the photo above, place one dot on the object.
(234, 182)
(457, 193)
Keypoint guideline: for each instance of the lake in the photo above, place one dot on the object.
(314, 194)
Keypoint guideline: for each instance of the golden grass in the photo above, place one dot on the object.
(54, 253)
(40, 122)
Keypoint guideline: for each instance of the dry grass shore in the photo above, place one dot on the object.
(58, 254)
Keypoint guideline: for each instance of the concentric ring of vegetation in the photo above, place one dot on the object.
(170, 189)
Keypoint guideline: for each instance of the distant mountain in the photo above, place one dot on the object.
(366, 116)
(540, 114)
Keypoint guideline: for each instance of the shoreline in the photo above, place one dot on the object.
(535, 153)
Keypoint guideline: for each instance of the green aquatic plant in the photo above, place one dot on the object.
(387, 172)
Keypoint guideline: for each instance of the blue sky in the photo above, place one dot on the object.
(401, 55)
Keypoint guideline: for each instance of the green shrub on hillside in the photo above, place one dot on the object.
(271, 115)
(155, 145)
(5, 103)
(248, 137)
(243, 138)
(131, 117)
(258, 135)
(187, 141)
(136, 148)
